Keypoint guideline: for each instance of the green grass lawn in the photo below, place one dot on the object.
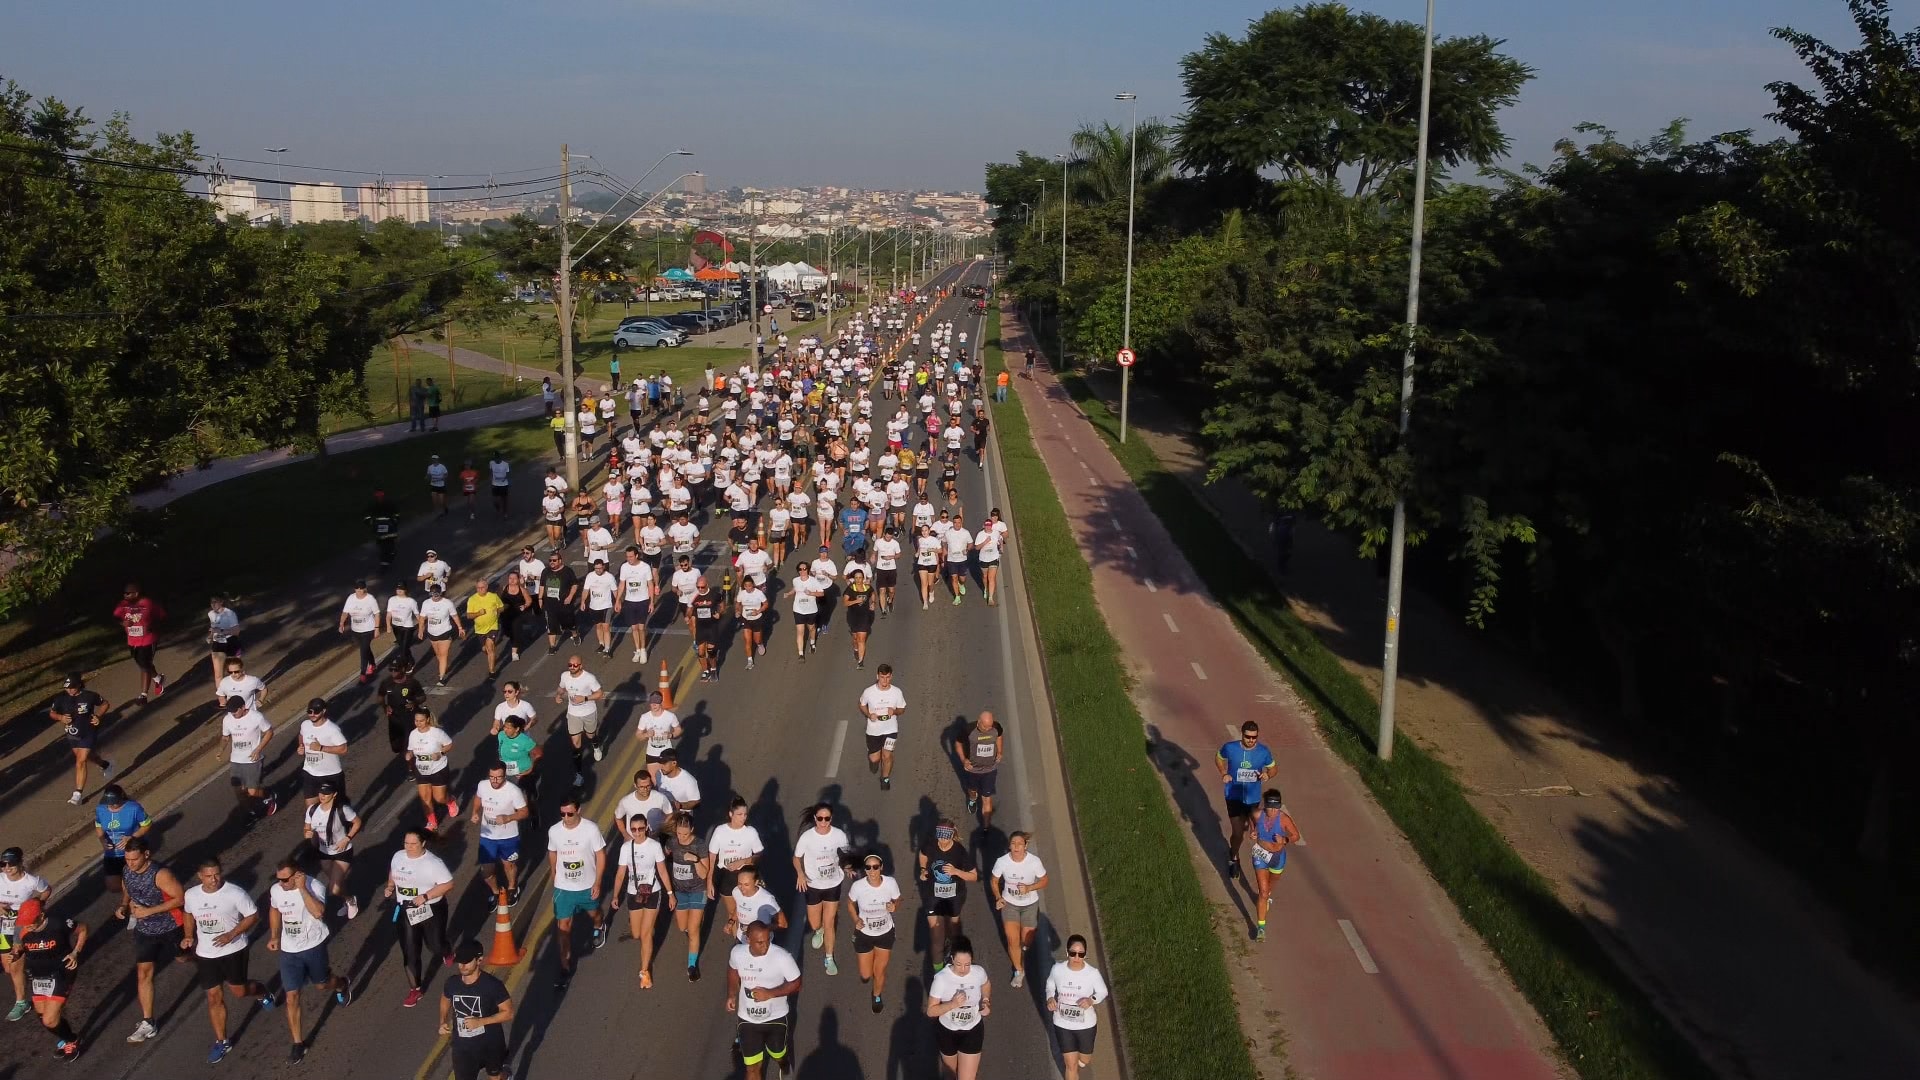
(1603, 1022)
(390, 372)
(1165, 960)
(186, 551)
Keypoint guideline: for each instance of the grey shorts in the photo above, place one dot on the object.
(583, 725)
(1028, 917)
(245, 774)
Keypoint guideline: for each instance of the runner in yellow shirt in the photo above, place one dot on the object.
(483, 613)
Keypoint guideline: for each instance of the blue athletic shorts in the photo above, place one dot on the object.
(500, 851)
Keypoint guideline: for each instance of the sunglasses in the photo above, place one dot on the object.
(283, 880)
(873, 865)
(569, 813)
(823, 817)
(1077, 955)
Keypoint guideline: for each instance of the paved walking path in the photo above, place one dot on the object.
(1683, 898)
(1368, 966)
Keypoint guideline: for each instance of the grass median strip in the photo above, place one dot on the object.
(1604, 1024)
(1164, 957)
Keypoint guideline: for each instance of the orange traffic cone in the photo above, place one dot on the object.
(666, 687)
(504, 952)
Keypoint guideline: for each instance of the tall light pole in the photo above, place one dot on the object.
(1126, 310)
(280, 174)
(1397, 559)
(1043, 210)
(1060, 309)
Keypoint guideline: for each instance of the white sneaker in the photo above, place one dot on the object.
(639, 656)
(598, 753)
(1019, 980)
(73, 799)
(142, 1032)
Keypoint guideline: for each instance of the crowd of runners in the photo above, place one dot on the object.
(831, 466)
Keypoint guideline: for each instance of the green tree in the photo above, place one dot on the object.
(1101, 155)
(1323, 93)
(141, 334)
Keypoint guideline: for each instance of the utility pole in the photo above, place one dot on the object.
(1126, 316)
(754, 298)
(1397, 558)
(829, 246)
(1060, 309)
(572, 441)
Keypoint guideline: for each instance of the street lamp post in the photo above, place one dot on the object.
(1126, 308)
(1397, 559)
(280, 174)
(1043, 210)
(1060, 309)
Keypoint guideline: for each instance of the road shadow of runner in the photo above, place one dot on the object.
(830, 1059)
(1192, 795)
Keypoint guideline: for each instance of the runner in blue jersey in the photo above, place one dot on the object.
(1244, 766)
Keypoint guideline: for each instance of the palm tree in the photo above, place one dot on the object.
(1100, 154)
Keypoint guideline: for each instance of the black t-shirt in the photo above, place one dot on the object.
(400, 697)
(78, 712)
(706, 608)
(557, 585)
(478, 999)
(47, 949)
(980, 426)
(957, 857)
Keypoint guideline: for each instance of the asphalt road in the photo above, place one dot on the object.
(781, 736)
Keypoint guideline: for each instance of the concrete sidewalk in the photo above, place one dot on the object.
(1368, 971)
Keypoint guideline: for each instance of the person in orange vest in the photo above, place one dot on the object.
(1000, 386)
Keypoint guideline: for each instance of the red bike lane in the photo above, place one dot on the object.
(1370, 970)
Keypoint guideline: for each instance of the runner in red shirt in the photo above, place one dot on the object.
(139, 615)
(469, 485)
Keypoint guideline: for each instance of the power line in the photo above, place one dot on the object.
(384, 172)
(220, 174)
(96, 182)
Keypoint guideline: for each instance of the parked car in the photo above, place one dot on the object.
(689, 321)
(638, 337)
(720, 314)
(805, 310)
(656, 323)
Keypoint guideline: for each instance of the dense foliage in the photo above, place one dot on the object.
(1663, 430)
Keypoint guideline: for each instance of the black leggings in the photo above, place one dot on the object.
(364, 639)
(422, 944)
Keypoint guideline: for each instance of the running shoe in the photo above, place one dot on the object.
(1259, 933)
(599, 937)
(20, 1008)
(693, 973)
(67, 1049)
(143, 1031)
(819, 938)
(344, 995)
(1019, 980)
(296, 1053)
(413, 998)
(876, 1003)
(453, 809)
(832, 968)
(268, 1001)
(637, 658)
(749, 663)
(106, 772)
(159, 685)
(72, 800)
(218, 1052)
(598, 753)
(1233, 869)
(886, 783)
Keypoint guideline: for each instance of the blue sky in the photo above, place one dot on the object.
(849, 92)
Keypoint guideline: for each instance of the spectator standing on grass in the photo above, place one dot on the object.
(548, 399)
(223, 633)
(433, 404)
(416, 407)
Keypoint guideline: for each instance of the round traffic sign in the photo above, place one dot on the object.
(766, 309)
(1126, 357)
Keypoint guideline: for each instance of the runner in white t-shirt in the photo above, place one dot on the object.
(577, 853)
(871, 902)
(818, 855)
(1016, 879)
(880, 706)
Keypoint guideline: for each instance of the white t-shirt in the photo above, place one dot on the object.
(324, 733)
(215, 913)
(300, 929)
(656, 806)
(554, 508)
(776, 968)
(754, 565)
(681, 787)
(819, 853)
(362, 612)
(947, 984)
(599, 587)
(241, 686)
(871, 901)
(886, 553)
(435, 572)
(807, 592)
(958, 541)
(438, 613)
(1016, 877)
(437, 475)
(728, 844)
(499, 802)
(414, 877)
(657, 729)
(642, 858)
(1065, 987)
(747, 910)
(429, 749)
(247, 731)
(501, 472)
(524, 710)
(579, 690)
(636, 582)
(404, 611)
(926, 551)
(572, 853)
(988, 543)
(331, 841)
(599, 541)
(753, 602)
(883, 708)
(684, 535)
(685, 584)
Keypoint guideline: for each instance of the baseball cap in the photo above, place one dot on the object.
(318, 705)
(29, 913)
(76, 681)
(113, 795)
(328, 787)
(655, 698)
(1272, 801)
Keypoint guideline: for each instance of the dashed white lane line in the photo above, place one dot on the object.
(1168, 619)
(1198, 671)
(1359, 947)
(1132, 554)
(1233, 733)
(1150, 586)
(1116, 522)
(839, 744)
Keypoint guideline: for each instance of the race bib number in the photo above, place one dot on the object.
(659, 743)
(382, 528)
(758, 1012)
(573, 867)
(1247, 776)
(876, 924)
(513, 768)
(946, 890)
(418, 914)
(983, 750)
(1261, 856)
(314, 758)
(43, 988)
(1071, 1012)
(963, 1016)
